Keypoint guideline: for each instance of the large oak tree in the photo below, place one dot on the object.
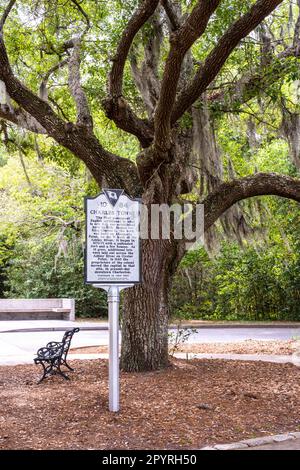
(169, 123)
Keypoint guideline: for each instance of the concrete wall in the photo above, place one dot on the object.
(28, 309)
(70, 304)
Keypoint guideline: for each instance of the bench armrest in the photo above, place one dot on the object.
(54, 344)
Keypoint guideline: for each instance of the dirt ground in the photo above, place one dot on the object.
(187, 406)
(250, 346)
(245, 347)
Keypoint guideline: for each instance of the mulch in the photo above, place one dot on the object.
(189, 405)
(249, 346)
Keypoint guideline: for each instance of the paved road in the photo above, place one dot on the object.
(233, 335)
(21, 346)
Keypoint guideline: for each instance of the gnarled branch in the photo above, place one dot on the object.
(117, 171)
(138, 19)
(171, 13)
(43, 92)
(250, 84)
(84, 117)
(122, 114)
(181, 41)
(25, 98)
(7, 11)
(20, 118)
(260, 184)
(218, 56)
(116, 107)
(146, 75)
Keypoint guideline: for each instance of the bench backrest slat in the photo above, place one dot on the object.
(67, 338)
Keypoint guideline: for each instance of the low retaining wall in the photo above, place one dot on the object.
(37, 309)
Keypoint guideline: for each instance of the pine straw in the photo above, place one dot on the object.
(189, 405)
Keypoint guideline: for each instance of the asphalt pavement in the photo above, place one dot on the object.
(19, 340)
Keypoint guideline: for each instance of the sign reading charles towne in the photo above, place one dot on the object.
(112, 254)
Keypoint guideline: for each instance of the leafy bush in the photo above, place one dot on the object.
(41, 236)
(33, 273)
(252, 283)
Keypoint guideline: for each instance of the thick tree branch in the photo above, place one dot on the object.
(43, 92)
(251, 84)
(84, 117)
(3, 130)
(25, 98)
(138, 19)
(116, 171)
(296, 40)
(7, 11)
(218, 56)
(146, 75)
(20, 118)
(181, 41)
(260, 184)
(171, 13)
(121, 113)
(116, 107)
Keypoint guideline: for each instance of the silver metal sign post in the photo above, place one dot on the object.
(113, 298)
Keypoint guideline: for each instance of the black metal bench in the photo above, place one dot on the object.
(54, 355)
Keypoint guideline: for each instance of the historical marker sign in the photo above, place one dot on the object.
(112, 239)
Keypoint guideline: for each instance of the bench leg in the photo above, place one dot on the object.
(57, 370)
(43, 376)
(60, 372)
(46, 371)
(64, 362)
(51, 369)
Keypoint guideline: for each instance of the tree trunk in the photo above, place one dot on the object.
(146, 311)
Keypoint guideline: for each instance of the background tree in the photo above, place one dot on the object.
(42, 233)
(167, 74)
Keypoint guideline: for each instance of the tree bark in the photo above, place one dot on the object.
(146, 311)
